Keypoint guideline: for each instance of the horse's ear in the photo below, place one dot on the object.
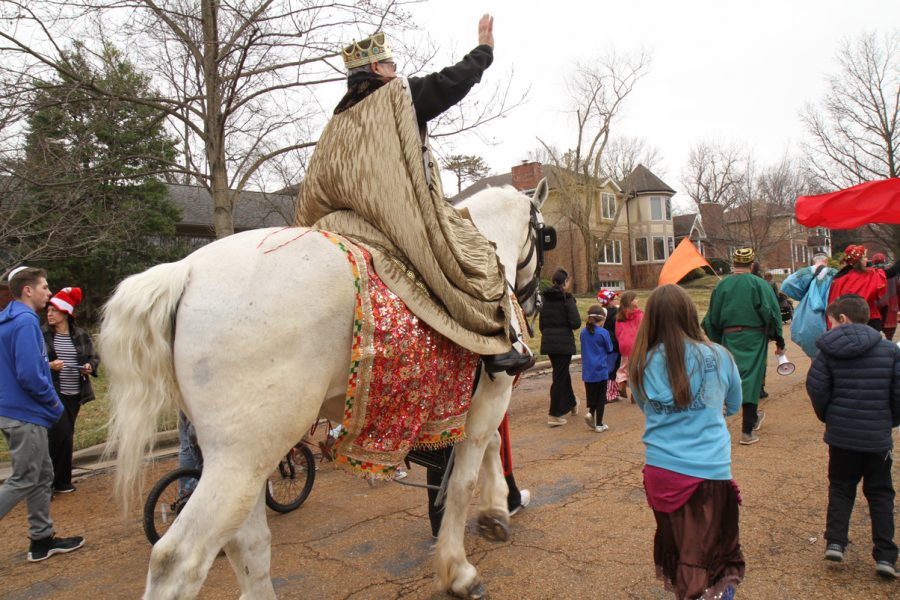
(540, 193)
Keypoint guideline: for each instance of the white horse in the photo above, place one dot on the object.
(239, 339)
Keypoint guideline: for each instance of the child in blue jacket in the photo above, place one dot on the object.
(854, 385)
(596, 346)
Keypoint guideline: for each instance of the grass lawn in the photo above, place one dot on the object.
(90, 428)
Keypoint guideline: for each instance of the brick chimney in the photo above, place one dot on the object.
(527, 175)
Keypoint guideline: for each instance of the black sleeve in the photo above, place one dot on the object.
(893, 270)
(572, 313)
(435, 93)
(818, 385)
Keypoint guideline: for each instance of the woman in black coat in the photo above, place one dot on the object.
(73, 361)
(559, 318)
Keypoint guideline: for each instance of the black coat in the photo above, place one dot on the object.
(610, 326)
(559, 317)
(854, 384)
(84, 347)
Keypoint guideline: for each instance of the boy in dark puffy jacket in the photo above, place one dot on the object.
(854, 384)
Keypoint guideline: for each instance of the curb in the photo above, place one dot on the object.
(90, 460)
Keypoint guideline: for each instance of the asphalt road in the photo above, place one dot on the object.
(587, 533)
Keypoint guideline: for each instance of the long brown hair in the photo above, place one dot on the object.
(670, 318)
(625, 302)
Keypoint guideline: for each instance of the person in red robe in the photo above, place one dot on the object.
(857, 278)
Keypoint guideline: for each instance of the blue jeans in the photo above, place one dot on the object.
(187, 456)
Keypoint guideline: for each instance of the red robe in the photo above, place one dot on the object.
(869, 284)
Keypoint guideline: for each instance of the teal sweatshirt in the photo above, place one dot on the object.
(693, 440)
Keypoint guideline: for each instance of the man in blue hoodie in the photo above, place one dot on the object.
(28, 407)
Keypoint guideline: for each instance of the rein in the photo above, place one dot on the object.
(541, 238)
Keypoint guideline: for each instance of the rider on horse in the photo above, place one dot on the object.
(374, 179)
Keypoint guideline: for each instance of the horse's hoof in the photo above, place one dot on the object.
(495, 529)
(476, 591)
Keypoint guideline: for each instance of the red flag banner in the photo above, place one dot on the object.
(870, 202)
(684, 259)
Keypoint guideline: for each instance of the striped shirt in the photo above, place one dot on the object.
(70, 376)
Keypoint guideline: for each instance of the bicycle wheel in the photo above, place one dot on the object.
(292, 480)
(166, 499)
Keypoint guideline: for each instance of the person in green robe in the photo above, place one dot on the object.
(743, 316)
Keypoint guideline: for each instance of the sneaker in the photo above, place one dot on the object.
(589, 420)
(400, 474)
(886, 569)
(525, 500)
(556, 421)
(834, 552)
(575, 408)
(760, 417)
(748, 438)
(47, 547)
(63, 489)
(601, 428)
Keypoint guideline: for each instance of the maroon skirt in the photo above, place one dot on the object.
(696, 548)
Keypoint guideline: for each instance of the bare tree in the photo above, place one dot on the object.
(855, 131)
(757, 202)
(625, 153)
(714, 173)
(236, 81)
(598, 90)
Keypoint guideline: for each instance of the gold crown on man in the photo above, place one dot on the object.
(743, 256)
(373, 48)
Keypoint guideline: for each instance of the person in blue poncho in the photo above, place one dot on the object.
(809, 286)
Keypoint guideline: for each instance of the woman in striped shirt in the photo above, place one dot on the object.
(72, 358)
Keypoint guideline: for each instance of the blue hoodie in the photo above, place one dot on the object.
(26, 390)
(693, 440)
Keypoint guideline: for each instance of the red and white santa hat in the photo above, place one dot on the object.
(67, 299)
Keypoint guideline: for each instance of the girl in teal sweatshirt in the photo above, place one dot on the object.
(684, 384)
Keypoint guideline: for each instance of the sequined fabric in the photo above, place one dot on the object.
(408, 387)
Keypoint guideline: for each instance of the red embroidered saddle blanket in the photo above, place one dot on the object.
(408, 387)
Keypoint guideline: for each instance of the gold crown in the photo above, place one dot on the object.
(743, 256)
(373, 48)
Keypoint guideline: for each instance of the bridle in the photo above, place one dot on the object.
(541, 238)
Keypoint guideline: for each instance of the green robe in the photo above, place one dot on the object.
(748, 301)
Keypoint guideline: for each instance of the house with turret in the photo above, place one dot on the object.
(630, 224)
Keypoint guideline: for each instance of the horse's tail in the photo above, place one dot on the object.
(136, 337)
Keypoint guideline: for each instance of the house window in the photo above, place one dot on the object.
(659, 248)
(610, 253)
(656, 208)
(671, 246)
(608, 210)
(612, 285)
(668, 209)
(641, 250)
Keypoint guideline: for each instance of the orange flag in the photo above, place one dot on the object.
(682, 261)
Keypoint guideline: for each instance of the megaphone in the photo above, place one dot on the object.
(785, 366)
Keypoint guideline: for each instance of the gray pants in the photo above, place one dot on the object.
(32, 475)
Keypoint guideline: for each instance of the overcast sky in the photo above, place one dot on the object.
(721, 71)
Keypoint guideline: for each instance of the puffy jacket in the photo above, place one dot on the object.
(26, 392)
(559, 318)
(854, 385)
(84, 348)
